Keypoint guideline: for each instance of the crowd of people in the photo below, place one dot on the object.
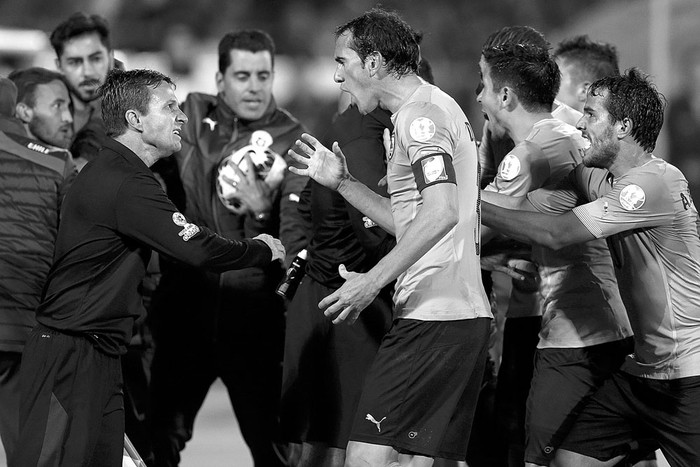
(142, 242)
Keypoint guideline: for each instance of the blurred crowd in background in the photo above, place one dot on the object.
(178, 37)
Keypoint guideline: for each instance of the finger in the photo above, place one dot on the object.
(303, 147)
(294, 170)
(238, 171)
(382, 182)
(302, 159)
(343, 271)
(311, 141)
(509, 272)
(386, 139)
(251, 175)
(342, 316)
(328, 301)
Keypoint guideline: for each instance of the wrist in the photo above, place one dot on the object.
(344, 183)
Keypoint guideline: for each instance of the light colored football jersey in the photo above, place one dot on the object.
(652, 229)
(445, 284)
(578, 296)
(565, 113)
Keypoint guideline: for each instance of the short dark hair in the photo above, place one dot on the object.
(529, 70)
(127, 90)
(632, 95)
(383, 31)
(513, 35)
(591, 60)
(27, 80)
(525, 35)
(76, 25)
(252, 40)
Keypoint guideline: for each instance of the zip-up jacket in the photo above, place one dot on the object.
(33, 180)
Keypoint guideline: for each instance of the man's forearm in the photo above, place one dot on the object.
(536, 228)
(369, 203)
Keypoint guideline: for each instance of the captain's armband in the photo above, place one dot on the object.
(432, 169)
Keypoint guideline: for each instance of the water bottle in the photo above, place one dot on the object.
(294, 274)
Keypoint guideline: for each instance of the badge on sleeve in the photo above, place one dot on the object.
(433, 169)
(632, 197)
(510, 167)
(189, 230)
(422, 129)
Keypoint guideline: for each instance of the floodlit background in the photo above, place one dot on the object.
(179, 38)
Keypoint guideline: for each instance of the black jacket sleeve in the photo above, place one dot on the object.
(145, 214)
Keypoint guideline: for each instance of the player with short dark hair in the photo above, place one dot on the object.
(642, 205)
(411, 410)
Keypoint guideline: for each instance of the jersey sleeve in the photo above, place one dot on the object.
(636, 201)
(517, 175)
(145, 214)
(559, 197)
(428, 137)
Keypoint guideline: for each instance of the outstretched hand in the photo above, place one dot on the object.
(346, 303)
(323, 165)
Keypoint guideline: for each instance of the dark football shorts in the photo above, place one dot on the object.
(562, 382)
(420, 395)
(628, 411)
(325, 365)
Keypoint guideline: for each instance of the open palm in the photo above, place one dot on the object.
(323, 165)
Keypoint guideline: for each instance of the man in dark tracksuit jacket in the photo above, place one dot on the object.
(239, 331)
(325, 364)
(35, 173)
(34, 178)
(71, 409)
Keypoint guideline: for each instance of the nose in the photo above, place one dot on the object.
(255, 85)
(337, 76)
(182, 117)
(581, 125)
(66, 115)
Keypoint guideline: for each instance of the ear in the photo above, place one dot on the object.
(624, 128)
(111, 60)
(24, 112)
(374, 63)
(507, 98)
(133, 120)
(219, 81)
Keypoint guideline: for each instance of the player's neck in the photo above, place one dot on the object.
(398, 91)
(520, 124)
(629, 157)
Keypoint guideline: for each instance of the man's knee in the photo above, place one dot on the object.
(564, 458)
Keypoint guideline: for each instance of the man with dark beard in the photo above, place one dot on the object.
(84, 55)
(642, 205)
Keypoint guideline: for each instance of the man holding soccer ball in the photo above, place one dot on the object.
(230, 177)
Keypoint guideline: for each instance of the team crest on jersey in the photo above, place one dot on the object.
(510, 167)
(189, 230)
(368, 223)
(422, 129)
(433, 169)
(632, 197)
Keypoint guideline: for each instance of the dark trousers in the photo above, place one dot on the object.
(520, 337)
(243, 345)
(71, 404)
(9, 400)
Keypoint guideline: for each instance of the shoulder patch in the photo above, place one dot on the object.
(510, 167)
(189, 230)
(632, 197)
(422, 129)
